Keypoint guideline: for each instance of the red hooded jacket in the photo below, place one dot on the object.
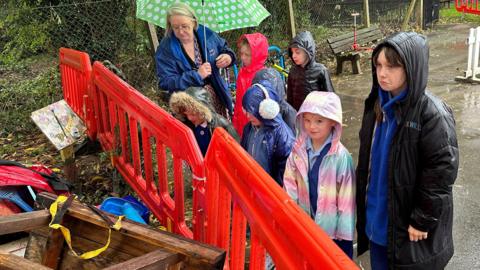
(259, 48)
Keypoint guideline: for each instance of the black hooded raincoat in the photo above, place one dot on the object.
(423, 164)
(303, 80)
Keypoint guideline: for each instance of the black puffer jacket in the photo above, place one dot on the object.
(423, 166)
(303, 80)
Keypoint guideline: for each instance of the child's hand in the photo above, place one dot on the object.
(205, 70)
(416, 235)
(223, 60)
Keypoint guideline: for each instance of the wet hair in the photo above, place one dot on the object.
(180, 9)
(394, 59)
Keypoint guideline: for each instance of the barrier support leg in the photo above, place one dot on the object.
(476, 55)
(473, 69)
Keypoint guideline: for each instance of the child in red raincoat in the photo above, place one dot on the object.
(253, 50)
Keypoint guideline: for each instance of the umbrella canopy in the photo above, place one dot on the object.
(218, 15)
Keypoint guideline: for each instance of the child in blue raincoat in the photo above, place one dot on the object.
(266, 137)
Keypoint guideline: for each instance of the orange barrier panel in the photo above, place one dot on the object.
(139, 133)
(76, 72)
(468, 6)
(276, 223)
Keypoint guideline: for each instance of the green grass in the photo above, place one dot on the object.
(451, 15)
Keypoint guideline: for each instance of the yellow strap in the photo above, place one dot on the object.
(66, 232)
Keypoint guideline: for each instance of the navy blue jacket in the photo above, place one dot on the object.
(273, 141)
(289, 114)
(175, 72)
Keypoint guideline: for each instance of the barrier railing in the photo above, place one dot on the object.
(76, 72)
(468, 6)
(139, 134)
(472, 74)
(276, 223)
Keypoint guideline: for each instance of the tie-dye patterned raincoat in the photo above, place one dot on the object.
(336, 184)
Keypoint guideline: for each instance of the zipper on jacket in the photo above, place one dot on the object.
(255, 133)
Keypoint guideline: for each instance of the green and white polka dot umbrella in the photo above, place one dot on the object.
(218, 15)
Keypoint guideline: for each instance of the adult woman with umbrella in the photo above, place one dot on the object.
(183, 61)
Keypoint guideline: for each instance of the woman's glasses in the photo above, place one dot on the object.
(182, 27)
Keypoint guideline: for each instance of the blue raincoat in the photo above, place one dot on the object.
(271, 143)
(175, 72)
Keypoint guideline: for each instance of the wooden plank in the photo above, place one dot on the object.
(152, 38)
(348, 48)
(197, 255)
(98, 234)
(110, 256)
(157, 259)
(24, 221)
(13, 262)
(349, 39)
(359, 32)
(36, 243)
(53, 249)
(16, 247)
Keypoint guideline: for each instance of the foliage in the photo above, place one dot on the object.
(451, 15)
(23, 32)
(96, 28)
(20, 97)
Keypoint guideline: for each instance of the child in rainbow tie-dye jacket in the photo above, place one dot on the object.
(320, 169)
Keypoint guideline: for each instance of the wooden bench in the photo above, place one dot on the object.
(445, 3)
(342, 47)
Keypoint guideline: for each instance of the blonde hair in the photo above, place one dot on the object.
(180, 9)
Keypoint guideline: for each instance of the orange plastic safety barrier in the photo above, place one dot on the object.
(140, 136)
(239, 191)
(468, 6)
(76, 72)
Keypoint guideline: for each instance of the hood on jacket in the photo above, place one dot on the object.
(304, 40)
(259, 48)
(413, 50)
(196, 99)
(326, 104)
(255, 95)
(275, 79)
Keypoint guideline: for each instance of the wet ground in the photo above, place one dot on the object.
(448, 58)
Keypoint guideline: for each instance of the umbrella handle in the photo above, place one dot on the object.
(204, 31)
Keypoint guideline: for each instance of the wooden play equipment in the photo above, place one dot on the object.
(133, 246)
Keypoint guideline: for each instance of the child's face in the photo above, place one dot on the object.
(391, 78)
(245, 55)
(317, 127)
(193, 117)
(253, 120)
(299, 56)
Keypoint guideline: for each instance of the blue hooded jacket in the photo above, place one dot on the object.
(175, 72)
(271, 143)
(289, 114)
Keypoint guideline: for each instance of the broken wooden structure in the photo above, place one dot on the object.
(134, 246)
